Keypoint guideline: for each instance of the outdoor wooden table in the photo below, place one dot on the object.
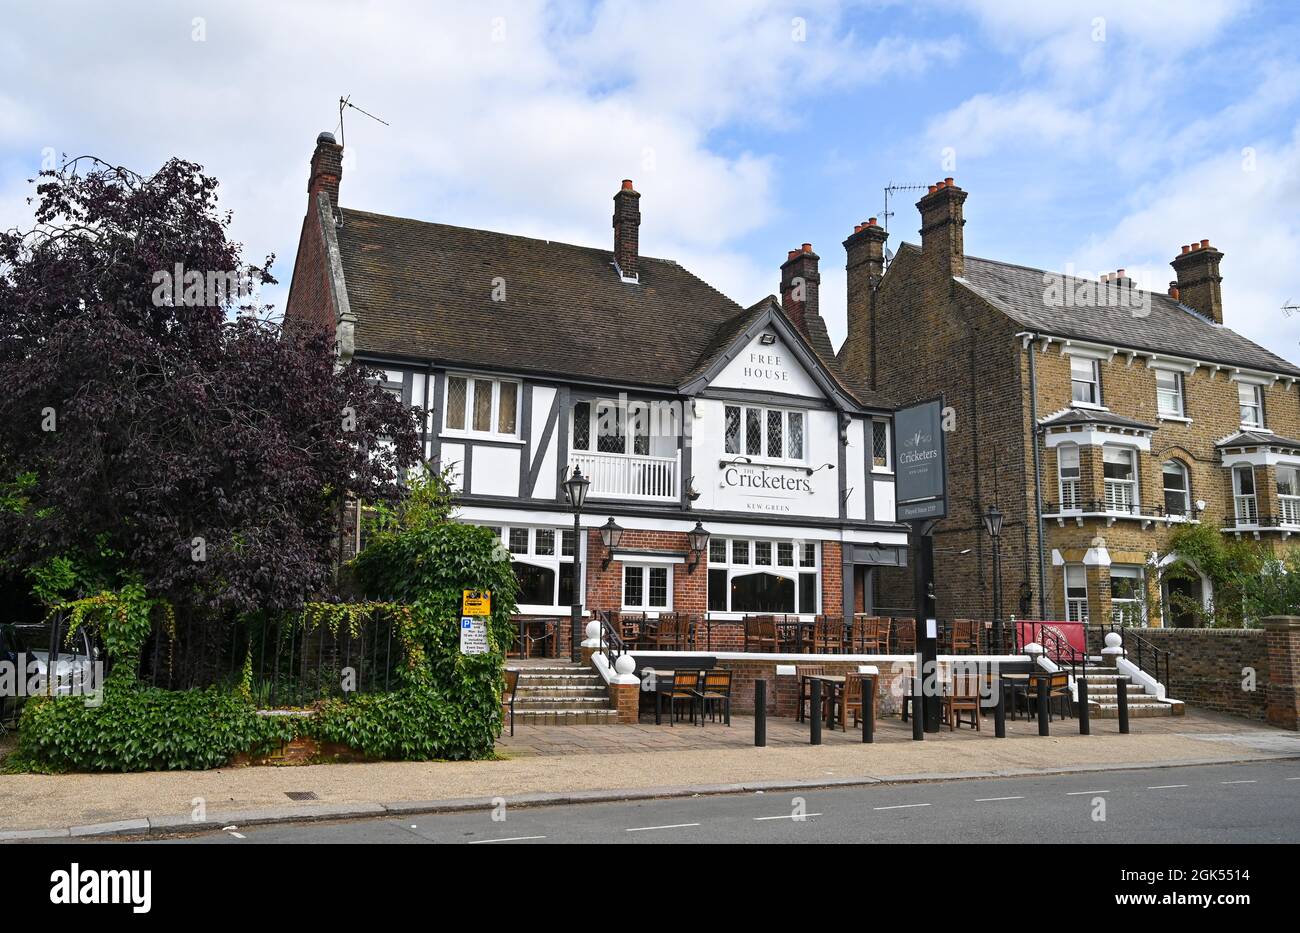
(1012, 683)
(836, 683)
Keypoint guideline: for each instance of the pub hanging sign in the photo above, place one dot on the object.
(920, 463)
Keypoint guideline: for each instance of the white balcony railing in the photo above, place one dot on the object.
(1289, 509)
(1119, 496)
(1247, 510)
(629, 476)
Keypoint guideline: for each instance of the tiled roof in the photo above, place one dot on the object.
(425, 290)
(1170, 327)
(1072, 416)
(1257, 438)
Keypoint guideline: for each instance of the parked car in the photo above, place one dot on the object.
(73, 662)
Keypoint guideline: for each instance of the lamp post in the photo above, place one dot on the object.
(575, 487)
(993, 525)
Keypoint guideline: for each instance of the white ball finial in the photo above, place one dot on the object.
(593, 630)
(625, 664)
(1033, 648)
(1113, 640)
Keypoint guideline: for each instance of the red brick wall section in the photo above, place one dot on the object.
(1208, 667)
(626, 699)
(783, 689)
(832, 581)
(1282, 634)
(605, 585)
(309, 299)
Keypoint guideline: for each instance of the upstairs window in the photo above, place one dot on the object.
(476, 405)
(880, 445)
(611, 427)
(1169, 393)
(1177, 490)
(769, 433)
(1067, 465)
(1085, 381)
(1118, 468)
(1251, 398)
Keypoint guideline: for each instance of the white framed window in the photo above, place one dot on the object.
(766, 433)
(1067, 468)
(1169, 393)
(1085, 380)
(606, 428)
(1076, 593)
(1245, 504)
(764, 576)
(542, 559)
(1251, 400)
(880, 454)
(1288, 494)
(647, 587)
(1127, 594)
(481, 405)
(1119, 471)
(1178, 490)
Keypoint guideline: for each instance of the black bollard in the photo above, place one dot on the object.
(1044, 681)
(868, 710)
(815, 712)
(1121, 697)
(760, 713)
(1000, 710)
(918, 720)
(1085, 727)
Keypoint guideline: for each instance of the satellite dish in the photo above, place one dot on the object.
(889, 255)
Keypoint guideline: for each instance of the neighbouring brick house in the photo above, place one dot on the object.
(683, 408)
(1097, 416)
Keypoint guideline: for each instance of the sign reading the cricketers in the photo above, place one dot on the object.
(476, 603)
(920, 465)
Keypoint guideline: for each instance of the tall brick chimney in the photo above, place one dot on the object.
(800, 287)
(1197, 267)
(627, 218)
(941, 223)
(326, 170)
(866, 264)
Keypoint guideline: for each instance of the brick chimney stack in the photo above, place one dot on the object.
(941, 227)
(627, 218)
(1197, 268)
(326, 170)
(866, 264)
(800, 288)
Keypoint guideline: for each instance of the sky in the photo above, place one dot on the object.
(1091, 136)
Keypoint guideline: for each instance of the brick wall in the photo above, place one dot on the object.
(783, 689)
(1206, 669)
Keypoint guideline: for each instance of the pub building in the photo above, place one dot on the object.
(686, 411)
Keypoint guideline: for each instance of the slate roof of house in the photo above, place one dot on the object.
(1092, 416)
(1257, 438)
(424, 290)
(1173, 328)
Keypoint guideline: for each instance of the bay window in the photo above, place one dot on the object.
(1076, 593)
(1288, 494)
(769, 433)
(1119, 469)
(479, 405)
(545, 576)
(1245, 504)
(1067, 468)
(763, 576)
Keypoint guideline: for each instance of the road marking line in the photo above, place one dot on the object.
(792, 816)
(1293, 779)
(1239, 782)
(902, 806)
(991, 799)
(477, 842)
(642, 829)
(1085, 793)
(1165, 786)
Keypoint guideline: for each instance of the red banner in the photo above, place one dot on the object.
(1071, 633)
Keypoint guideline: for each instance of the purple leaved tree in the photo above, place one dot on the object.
(157, 423)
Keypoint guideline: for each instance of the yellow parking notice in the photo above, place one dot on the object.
(476, 603)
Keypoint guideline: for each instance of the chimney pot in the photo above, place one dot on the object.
(1205, 244)
(1119, 274)
(627, 184)
(791, 254)
(1186, 248)
(948, 181)
(857, 228)
(871, 221)
(1173, 290)
(807, 247)
(933, 189)
(1105, 276)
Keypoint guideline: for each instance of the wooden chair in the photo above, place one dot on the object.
(760, 631)
(964, 636)
(716, 692)
(667, 634)
(508, 696)
(685, 687)
(854, 684)
(963, 697)
(870, 634)
(905, 635)
(801, 673)
(1058, 688)
(828, 635)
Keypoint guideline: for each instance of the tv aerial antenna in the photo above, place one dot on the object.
(344, 104)
(1290, 308)
(890, 190)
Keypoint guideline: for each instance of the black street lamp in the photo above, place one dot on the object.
(575, 488)
(699, 540)
(611, 535)
(993, 525)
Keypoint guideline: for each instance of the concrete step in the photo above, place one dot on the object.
(1143, 711)
(565, 717)
(532, 690)
(544, 703)
(560, 680)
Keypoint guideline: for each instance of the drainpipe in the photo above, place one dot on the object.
(1038, 474)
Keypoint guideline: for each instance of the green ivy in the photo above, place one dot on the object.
(1249, 582)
